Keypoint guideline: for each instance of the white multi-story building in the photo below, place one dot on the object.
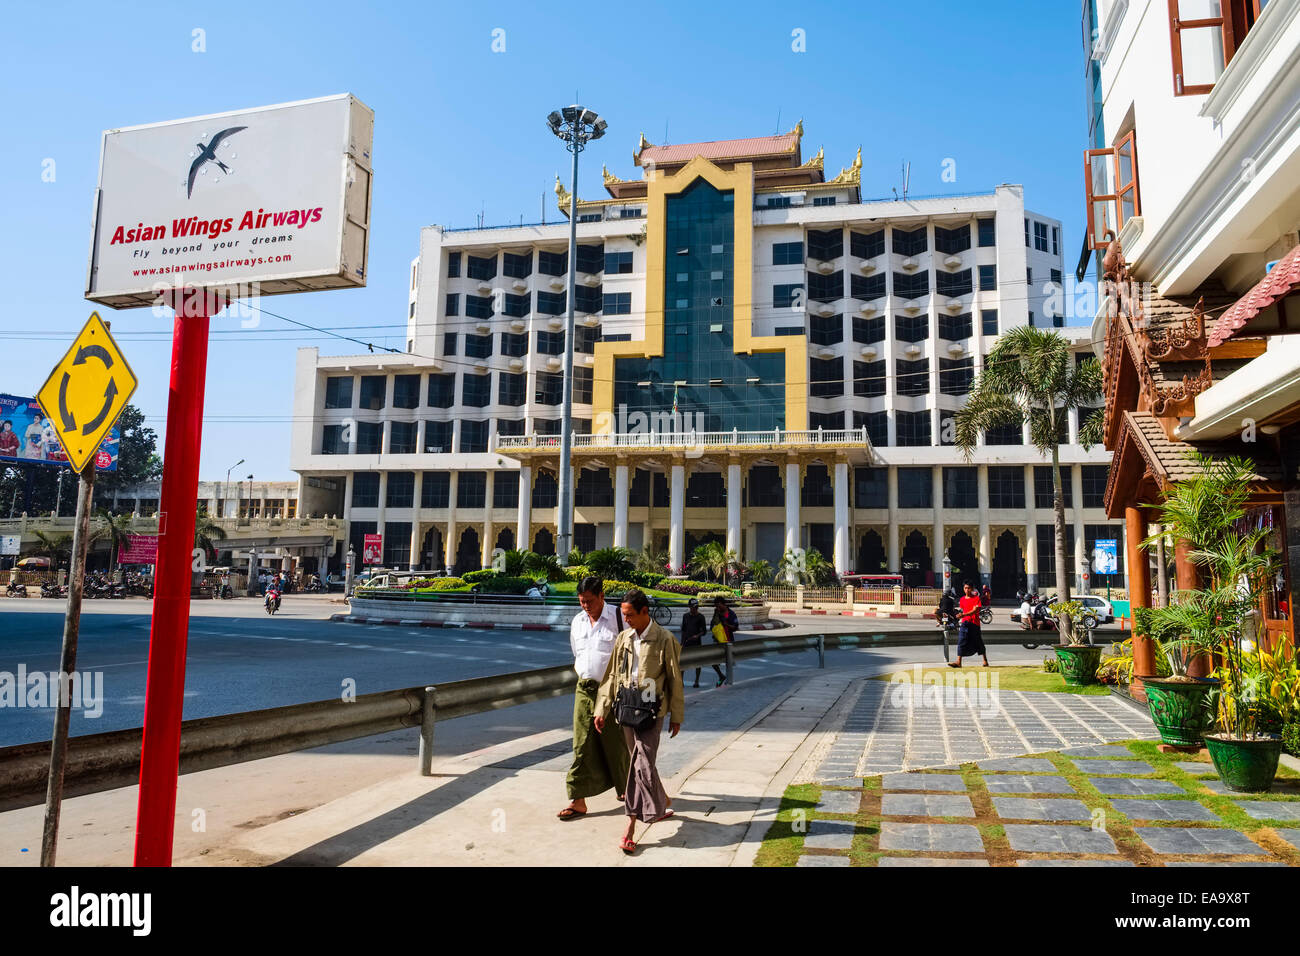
(761, 357)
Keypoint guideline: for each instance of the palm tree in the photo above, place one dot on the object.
(56, 547)
(761, 571)
(806, 568)
(712, 560)
(544, 565)
(1030, 377)
(612, 563)
(206, 531)
(651, 560)
(116, 530)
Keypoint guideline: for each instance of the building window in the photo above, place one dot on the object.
(505, 489)
(1094, 485)
(617, 303)
(1040, 236)
(1204, 37)
(1026, 232)
(1056, 240)
(826, 329)
(550, 388)
(825, 288)
(1044, 494)
(331, 443)
(551, 303)
(365, 489)
(910, 243)
(915, 488)
(482, 267)
(514, 344)
(987, 232)
(961, 488)
(869, 378)
(406, 391)
(867, 288)
(1005, 435)
(947, 429)
(512, 389)
(911, 286)
(867, 245)
(825, 244)
(338, 392)
(824, 200)
(988, 278)
(453, 265)
(373, 391)
(778, 202)
(473, 436)
(826, 377)
(1047, 553)
(913, 376)
(591, 259)
(956, 375)
(951, 241)
(478, 346)
(478, 306)
(868, 331)
(552, 263)
(817, 491)
(876, 424)
(618, 263)
(989, 319)
(401, 489)
(471, 489)
(1114, 532)
(588, 299)
(442, 389)
(517, 266)
(434, 489)
(1112, 188)
(550, 343)
(453, 304)
(582, 386)
(764, 487)
(510, 426)
(953, 284)
(546, 426)
(589, 217)
(955, 328)
(401, 438)
(912, 428)
(437, 438)
(449, 343)
(476, 390)
(785, 296)
(787, 253)
(546, 491)
(585, 339)
(911, 328)
(871, 487)
(1006, 486)
(517, 306)
(829, 421)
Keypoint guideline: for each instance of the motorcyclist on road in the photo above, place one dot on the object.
(947, 610)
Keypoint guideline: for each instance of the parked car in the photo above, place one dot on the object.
(1099, 606)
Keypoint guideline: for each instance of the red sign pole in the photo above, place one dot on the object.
(165, 687)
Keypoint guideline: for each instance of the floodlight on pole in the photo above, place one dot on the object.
(575, 126)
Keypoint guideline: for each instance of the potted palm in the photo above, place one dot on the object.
(1209, 512)
(1182, 706)
(1078, 659)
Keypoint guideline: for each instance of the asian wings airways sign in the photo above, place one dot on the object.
(263, 201)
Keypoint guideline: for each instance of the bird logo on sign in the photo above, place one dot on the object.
(208, 154)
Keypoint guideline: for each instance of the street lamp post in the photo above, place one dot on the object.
(225, 489)
(347, 571)
(576, 126)
(947, 572)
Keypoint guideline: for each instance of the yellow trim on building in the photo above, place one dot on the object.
(740, 181)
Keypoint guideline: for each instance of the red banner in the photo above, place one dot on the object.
(372, 550)
(143, 549)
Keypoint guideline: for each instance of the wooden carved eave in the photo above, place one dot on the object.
(1183, 342)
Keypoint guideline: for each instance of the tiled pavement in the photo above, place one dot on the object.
(1025, 812)
(895, 727)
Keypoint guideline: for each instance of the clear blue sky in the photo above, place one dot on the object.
(997, 86)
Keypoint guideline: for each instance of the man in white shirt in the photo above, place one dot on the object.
(600, 761)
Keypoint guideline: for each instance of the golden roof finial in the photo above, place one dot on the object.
(607, 176)
(852, 174)
(798, 129)
(816, 162)
(561, 194)
(644, 143)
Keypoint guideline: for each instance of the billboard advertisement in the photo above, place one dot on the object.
(1105, 556)
(372, 550)
(261, 201)
(142, 549)
(28, 437)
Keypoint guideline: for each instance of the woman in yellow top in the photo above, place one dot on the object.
(645, 660)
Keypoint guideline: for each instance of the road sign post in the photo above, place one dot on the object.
(169, 631)
(67, 668)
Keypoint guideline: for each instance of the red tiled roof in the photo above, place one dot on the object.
(720, 149)
(1283, 278)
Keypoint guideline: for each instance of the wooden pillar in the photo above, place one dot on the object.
(1188, 578)
(1139, 594)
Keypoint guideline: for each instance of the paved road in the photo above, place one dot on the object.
(240, 659)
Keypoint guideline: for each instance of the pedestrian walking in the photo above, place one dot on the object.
(693, 628)
(969, 641)
(723, 627)
(986, 596)
(642, 685)
(600, 761)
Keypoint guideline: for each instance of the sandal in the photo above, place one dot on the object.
(627, 846)
(953, 664)
(569, 813)
(665, 815)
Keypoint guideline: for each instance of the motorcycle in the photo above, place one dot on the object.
(16, 590)
(51, 590)
(272, 602)
(1040, 612)
(314, 586)
(227, 592)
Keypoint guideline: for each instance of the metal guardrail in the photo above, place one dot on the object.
(107, 761)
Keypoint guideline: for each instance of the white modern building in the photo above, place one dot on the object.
(762, 357)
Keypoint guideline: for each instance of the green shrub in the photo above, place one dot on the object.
(616, 563)
(646, 579)
(440, 584)
(487, 574)
(576, 572)
(618, 587)
(708, 596)
(500, 584)
(1051, 665)
(1291, 738)
(685, 587)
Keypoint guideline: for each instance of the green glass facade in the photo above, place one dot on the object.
(699, 271)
